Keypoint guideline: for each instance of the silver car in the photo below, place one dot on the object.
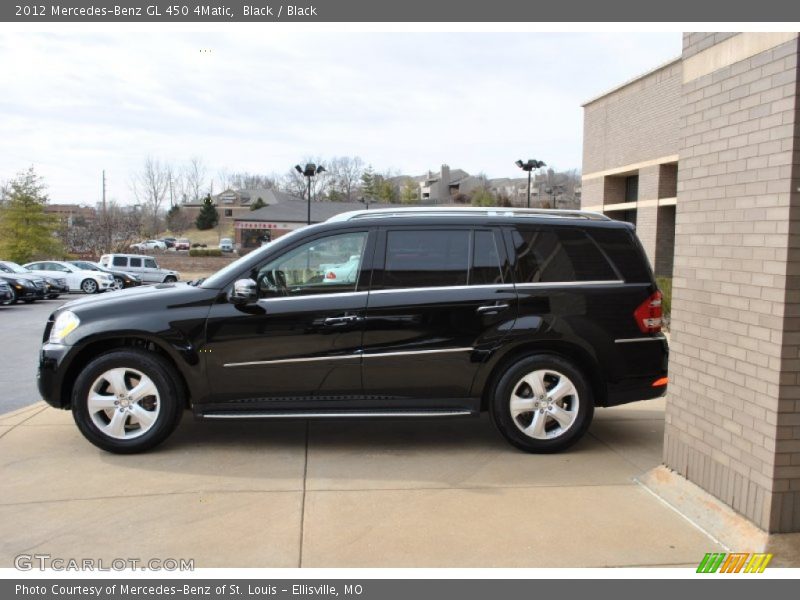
(142, 265)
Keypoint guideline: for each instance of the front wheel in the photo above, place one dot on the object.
(89, 286)
(170, 279)
(118, 283)
(29, 300)
(53, 296)
(127, 401)
(542, 404)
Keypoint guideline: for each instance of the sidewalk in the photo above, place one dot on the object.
(343, 494)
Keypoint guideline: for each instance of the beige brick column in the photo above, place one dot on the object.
(647, 211)
(733, 410)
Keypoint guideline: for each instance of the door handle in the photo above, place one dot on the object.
(333, 321)
(491, 308)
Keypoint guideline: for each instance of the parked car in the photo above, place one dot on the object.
(183, 244)
(122, 279)
(169, 242)
(535, 316)
(149, 245)
(142, 266)
(54, 287)
(89, 282)
(6, 293)
(226, 245)
(25, 285)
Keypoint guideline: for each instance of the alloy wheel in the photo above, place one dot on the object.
(89, 286)
(544, 404)
(124, 403)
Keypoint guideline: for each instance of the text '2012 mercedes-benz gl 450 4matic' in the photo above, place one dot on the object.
(535, 316)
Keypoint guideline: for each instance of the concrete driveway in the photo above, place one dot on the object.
(342, 494)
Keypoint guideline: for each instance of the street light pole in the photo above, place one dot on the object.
(529, 167)
(308, 172)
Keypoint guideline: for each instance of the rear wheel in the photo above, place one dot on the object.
(170, 279)
(89, 286)
(127, 401)
(14, 298)
(29, 300)
(542, 404)
(53, 296)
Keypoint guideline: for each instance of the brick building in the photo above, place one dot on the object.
(705, 150)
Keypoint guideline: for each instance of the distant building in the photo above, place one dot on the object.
(235, 203)
(283, 216)
(71, 214)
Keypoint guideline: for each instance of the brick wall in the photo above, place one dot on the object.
(733, 414)
(697, 42)
(635, 123)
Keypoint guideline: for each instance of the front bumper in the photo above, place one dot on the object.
(49, 376)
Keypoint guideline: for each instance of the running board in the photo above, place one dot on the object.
(336, 414)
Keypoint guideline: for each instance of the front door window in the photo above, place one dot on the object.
(326, 265)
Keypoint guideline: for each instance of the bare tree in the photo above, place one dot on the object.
(224, 179)
(195, 179)
(346, 175)
(151, 187)
(252, 181)
(112, 230)
(295, 183)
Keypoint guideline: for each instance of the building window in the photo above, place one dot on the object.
(632, 188)
(228, 212)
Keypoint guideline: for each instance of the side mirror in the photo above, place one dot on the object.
(245, 291)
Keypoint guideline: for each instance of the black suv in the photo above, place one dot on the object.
(535, 316)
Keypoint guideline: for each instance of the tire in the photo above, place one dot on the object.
(170, 279)
(562, 418)
(29, 300)
(53, 296)
(89, 286)
(14, 298)
(119, 283)
(116, 427)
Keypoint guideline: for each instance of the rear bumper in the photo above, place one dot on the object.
(633, 390)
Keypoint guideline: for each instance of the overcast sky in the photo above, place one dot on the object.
(74, 104)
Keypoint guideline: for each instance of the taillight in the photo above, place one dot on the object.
(648, 314)
(330, 275)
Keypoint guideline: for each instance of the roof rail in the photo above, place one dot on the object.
(468, 211)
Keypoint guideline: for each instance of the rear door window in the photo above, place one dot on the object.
(558, 255)
(426, 258)
(135, 262)
(486, 266)
(119, 261)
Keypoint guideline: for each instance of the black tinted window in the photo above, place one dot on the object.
(426, 258)
(485, 260)
(136, 262)
(559, 254)
(120, 261)
(621, 247)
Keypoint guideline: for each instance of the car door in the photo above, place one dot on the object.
(151, 270)
(136, 265)
(301, 342)
(441, 299)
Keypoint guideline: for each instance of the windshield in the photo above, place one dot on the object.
(221, 277)
(10, 267)
(87, 266)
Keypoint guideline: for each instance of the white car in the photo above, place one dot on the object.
(150, 245)
(90, 282)
(343, 272)
(226, 245)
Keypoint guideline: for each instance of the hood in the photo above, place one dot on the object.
(163, 294)
(23, 276)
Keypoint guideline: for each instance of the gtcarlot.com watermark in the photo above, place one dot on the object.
(44, 562)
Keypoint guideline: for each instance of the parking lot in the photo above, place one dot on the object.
(361, 494)
(21, 327)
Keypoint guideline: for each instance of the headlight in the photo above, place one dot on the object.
(65, 324)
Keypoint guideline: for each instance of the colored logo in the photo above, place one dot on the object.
(737, 562)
